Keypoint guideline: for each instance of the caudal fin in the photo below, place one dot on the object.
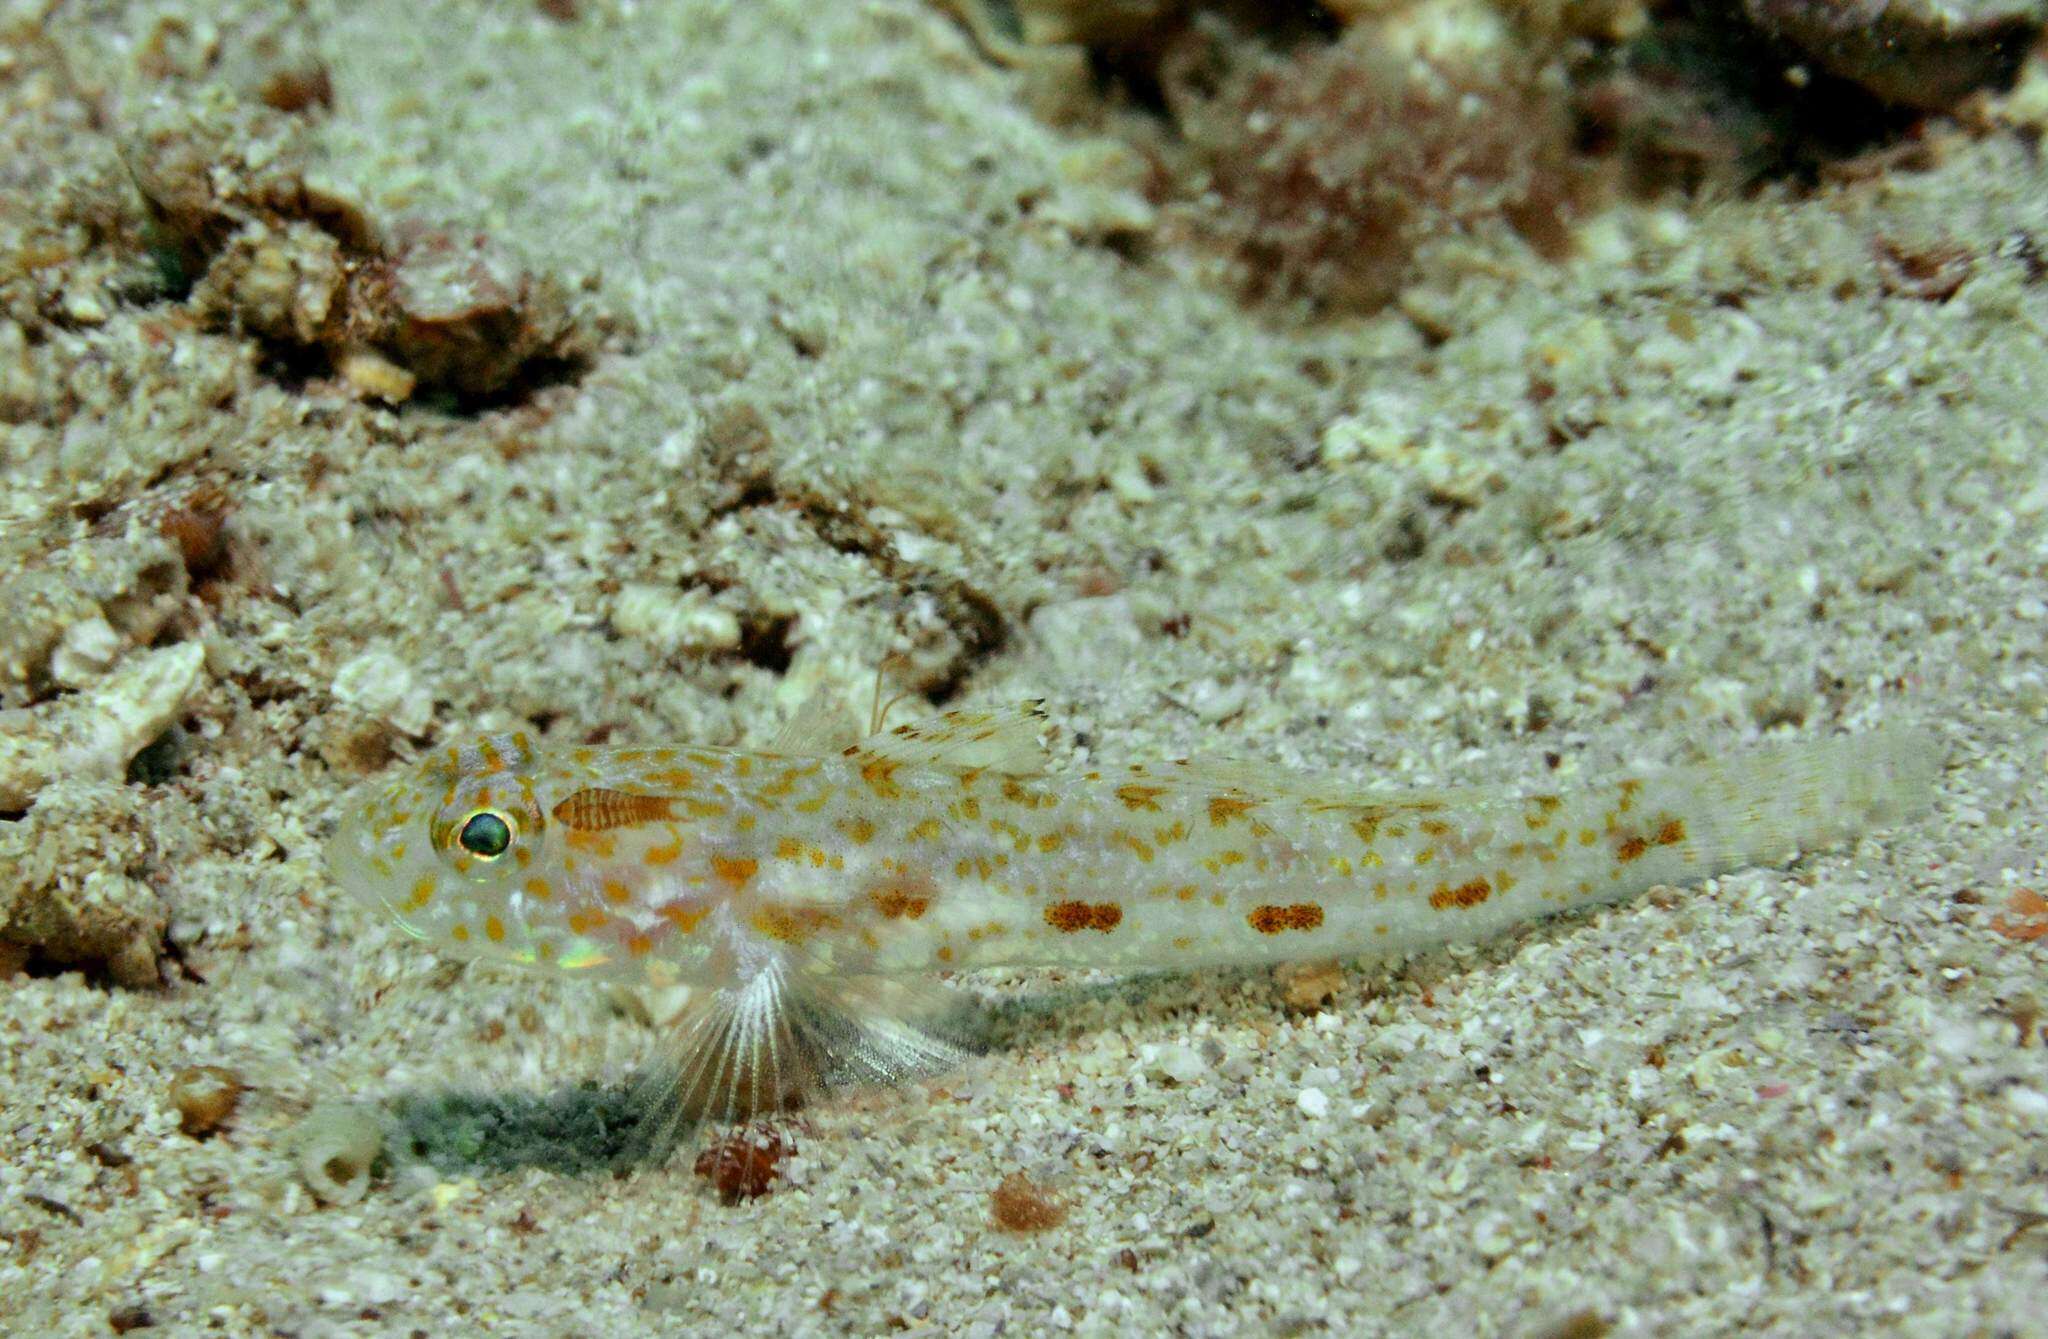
(1767, 804)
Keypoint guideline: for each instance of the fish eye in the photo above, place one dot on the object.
(485, 834)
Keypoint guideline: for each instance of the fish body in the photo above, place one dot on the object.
(796, 885)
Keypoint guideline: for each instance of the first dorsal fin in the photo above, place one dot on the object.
(1009, 740)
(820, 726)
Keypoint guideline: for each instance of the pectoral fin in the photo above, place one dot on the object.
(786, 1035)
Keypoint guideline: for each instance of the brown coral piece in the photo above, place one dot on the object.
(303, 269)
(80, 899)
(745, 1165)
(459, 312)
(2027, 920)
(1019, 1204)
(1333, 165)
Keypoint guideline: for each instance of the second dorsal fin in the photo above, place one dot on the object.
(1009, 740)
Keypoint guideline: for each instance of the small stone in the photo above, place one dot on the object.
(282, 282)
(84, 652)
(2031, 1103)
(373, 375)
(1089, 641)
(673, 620)
(1492, 1235)
(1928, 54)
(1314, 1103)
(1177, 1061)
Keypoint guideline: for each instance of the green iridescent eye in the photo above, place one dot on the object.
(485, 835)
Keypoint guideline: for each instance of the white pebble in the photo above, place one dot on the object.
(1177, 1061)
(379, 684)
(84, 652)
(1314, 1103)
(674, 620)
(2029, 1102)
(1492, 1236)
(95, 733)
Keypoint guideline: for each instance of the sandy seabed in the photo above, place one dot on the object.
(871, 384)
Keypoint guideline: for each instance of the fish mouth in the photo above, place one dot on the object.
(351, 852)
(345, 853)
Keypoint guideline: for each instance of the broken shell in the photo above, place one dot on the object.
(337, 1144)
(94, 733)
(205, 1096)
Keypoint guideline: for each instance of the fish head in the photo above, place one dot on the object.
(452, 848)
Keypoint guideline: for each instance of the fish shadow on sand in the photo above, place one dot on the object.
(578, 1130)
(592, 1127)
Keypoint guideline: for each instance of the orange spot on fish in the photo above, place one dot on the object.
(1223, 808)
(1272, 920)
(1072, 917)
(1140, 798)
(599, 844)
(1466, 895)
(895, 903)
(793, 925)
(682, 915)
(737, 871)
(880, 776)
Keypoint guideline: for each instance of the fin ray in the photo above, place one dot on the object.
(820, 726)
(1009, 740)
(782, 1038)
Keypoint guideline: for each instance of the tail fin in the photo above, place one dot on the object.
(1764, 805)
